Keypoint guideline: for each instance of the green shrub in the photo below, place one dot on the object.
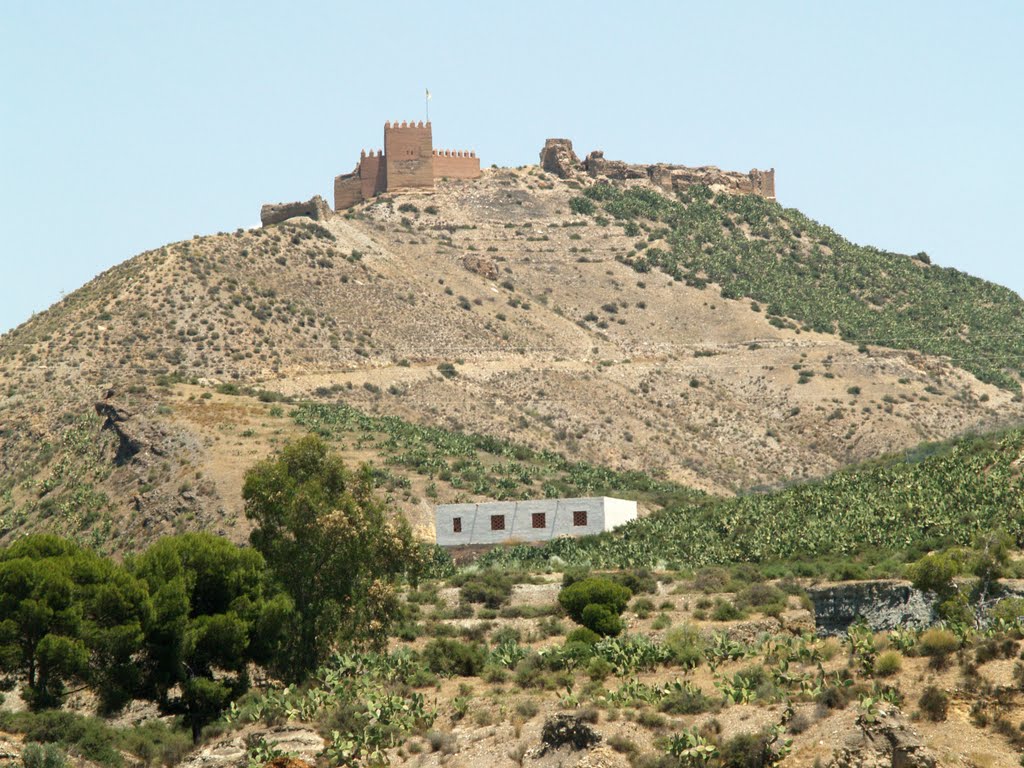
(89, 736)
(938, 642)
(687, 700)
(726, 610)
(934, 704)
(748, 750)
(764, 597)
(582, 206)
(598, 669)
(685, 646)
(601, 620)
(643, 607)
(582, 635)
(448, 657)
(43, 756)
(888, 663)
(711, 579)
(1009, 609)
(596, 603)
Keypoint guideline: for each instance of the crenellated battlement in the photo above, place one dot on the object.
(407, 161)
(454, 153)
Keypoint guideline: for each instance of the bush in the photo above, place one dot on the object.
(934, 703)
(89, 736)
(596, 603)
(582, 205)
(1009, 609)
(888, 663)
(688, 700)
(725, 610)
(448, 657)
(711, 579)
(685, 646)
(748, 750)
(601, 620)
(43, 756)
(764, 597)
(938, 642)
(582, 635)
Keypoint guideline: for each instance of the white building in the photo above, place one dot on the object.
(494, 522)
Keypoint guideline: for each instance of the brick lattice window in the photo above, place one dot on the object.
(497, 522)
(456, 525)
(539, 520)
(579, 517)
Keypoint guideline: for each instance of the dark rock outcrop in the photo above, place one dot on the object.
(558, 158)
(114, 420)
(884, 605)
(567, 730)
(315, 208)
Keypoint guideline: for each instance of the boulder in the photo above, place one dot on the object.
(481, 265)
(558, 158)
(315, 208)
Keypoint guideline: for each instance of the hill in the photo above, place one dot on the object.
(588, 331)
(936, 496)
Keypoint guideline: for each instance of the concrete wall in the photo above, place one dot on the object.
(408, 154)
(559, 518)
(456, 164)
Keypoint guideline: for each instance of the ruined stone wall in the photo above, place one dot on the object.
(763, 182)
(456, 164)
(408, 155)
(315, 208)
(675, 177)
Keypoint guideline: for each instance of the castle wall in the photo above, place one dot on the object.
(452, 164)
(408, 155)
(373, 175)
(347, 190)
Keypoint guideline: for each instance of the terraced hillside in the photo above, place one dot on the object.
(501, 307)
(936, 496)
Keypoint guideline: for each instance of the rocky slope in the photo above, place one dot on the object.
(110, 424)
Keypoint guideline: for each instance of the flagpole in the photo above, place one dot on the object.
(426, 103)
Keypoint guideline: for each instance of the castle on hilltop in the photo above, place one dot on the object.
(408, 161)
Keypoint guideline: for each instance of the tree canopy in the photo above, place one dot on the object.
(214, 610)
(69, 613)
(333, 546)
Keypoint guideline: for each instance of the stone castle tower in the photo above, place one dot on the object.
(408, 161)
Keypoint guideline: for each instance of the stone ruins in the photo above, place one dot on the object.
(558, 158)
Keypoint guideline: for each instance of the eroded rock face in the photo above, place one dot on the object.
(558, 158)
(884, 605)
(887, 742)
(315, 208)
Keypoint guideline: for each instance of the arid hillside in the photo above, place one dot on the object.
(133, 406)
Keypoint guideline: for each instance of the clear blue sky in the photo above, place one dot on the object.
(126, 125)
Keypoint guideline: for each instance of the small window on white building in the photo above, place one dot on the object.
(497, 522)
(579, 517)
(540, 520)
(456, 525)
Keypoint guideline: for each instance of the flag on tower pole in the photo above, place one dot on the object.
(426, 103)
